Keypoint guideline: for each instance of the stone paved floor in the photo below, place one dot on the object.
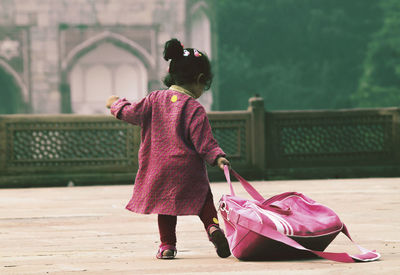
(85, 230)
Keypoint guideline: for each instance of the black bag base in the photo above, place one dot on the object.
(265, 249)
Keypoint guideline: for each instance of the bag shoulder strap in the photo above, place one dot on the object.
(246, 185)
(365, 256)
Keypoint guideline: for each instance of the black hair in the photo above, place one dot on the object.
(186, 65)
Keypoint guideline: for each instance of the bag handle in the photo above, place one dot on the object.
(246, 185)
(365, 256)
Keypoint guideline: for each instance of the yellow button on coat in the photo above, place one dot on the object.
(215, 220)
(174, 98)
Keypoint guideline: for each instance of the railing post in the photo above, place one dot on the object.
(65, 90)
(3, 144)
(256, 107)
(396, 134)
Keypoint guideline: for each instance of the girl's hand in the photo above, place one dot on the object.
(111, 100)
(221, 162)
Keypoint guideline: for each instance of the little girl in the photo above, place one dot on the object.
(176, 141)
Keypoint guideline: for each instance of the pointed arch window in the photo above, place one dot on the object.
(104, 71)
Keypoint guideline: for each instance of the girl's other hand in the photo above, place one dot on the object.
(111, 100)
(221, 162)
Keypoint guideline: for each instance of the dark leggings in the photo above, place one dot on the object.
(167, 224)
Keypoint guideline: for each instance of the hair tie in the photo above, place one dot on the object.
(196, 53)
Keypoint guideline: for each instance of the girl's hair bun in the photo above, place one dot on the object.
(173, 49)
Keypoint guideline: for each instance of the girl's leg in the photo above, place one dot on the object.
(208, 214)
(209, 217)
(167, 229)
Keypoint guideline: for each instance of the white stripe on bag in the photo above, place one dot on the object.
(281, 224)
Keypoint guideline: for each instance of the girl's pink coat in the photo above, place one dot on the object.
(176, 140)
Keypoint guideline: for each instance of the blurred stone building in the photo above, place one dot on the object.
(59, 56)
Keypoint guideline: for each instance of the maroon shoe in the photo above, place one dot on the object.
(166, 252)
(217, 237)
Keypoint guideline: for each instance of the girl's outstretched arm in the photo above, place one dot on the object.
(111, 100)
(131, 112)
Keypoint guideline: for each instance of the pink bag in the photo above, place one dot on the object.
(286, 226)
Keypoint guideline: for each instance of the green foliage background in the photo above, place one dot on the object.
(308, 54)
(380, 82)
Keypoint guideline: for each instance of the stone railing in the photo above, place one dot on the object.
(337, 144)
(42, 150)
(62, 149)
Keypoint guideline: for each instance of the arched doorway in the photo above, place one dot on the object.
(104, 71)
(104, 64)
(200, 38)
(10, 94)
